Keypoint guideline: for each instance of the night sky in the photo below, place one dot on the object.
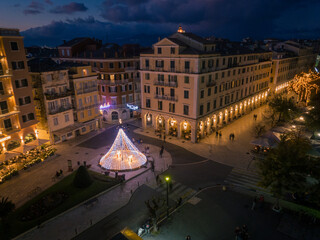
(49, 22)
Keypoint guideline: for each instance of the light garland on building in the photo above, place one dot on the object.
(123, 155)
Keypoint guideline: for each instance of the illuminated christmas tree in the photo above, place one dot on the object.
(123, 155)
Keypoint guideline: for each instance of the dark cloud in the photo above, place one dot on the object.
(34, 8)
(145, 20)
(49, 2)
(54, 33)
(70, 8)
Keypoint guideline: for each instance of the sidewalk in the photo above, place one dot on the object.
(222, 150)
(69, 224)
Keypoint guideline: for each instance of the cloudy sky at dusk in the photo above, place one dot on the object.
(143, 21)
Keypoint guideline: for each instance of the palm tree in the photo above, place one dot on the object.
(285, 108)
(6, 207)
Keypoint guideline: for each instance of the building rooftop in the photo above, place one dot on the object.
(9, 32)
(73, 42)
(197, 38)
(44, 65)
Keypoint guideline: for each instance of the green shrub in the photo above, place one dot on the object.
(82, 179)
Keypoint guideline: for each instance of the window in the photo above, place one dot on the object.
(202, 79)
(187, 65)
(222, 76)
(147, 76)
(147, 63)
(173, 50)
(80, 102)
(14, 46)
(208, 106)
(159, 105)
(111, 65)
(27, 100)
(66, 118)
(172, 107)
(209, 92)
(7, 124)
(172, 65)
(17, 65)
(17, 83)
(130, 87)
(146, 89)
(203, 64)
(186, 94)
(89, 112)
(55, 121)
(83, 129)
(214, 104)
(148, 103)
(82, 115)
(69, 134)
(24, 83)
(201, 110)
(159, 50)
(101, 65)
(215, 89)
(171, 92)
(185, 109)
(202, 94)
(186, 79)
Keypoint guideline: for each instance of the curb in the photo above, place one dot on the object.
(82, 203)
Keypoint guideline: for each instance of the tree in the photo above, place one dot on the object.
(153, 207)
(259, 129)
(304, 84)
(283, 108)
(287, 166)
(313, 117)
(82, 179)
(6, 207)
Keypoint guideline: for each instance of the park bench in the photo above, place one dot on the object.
(91, 202)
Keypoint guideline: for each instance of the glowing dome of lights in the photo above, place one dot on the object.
(123, 155)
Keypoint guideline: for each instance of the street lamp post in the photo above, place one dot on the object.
(167, 181)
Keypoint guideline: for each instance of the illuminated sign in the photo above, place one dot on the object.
(5, 139)
(105, 106)
(132, 107)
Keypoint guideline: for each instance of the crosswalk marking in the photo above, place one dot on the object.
(178, 190)
(246, 179)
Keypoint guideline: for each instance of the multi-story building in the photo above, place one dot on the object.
(118, 75)
(290, 58)
(52, 96)
(85, 98)
(189, 88)
(17, 113)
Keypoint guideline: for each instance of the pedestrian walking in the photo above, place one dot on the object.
(164, 138)
(220, 134)
(161, 152)
(170, 186)
(254, 203)
(217, 134)
(230, 136)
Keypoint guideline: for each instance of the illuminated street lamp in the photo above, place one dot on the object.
(167, 181)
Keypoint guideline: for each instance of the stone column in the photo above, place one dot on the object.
(208, 126)
(179, 129)
(144, 121)
(167, 123)
(193, 134)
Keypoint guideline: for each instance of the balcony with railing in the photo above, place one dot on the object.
(60, 109)
(53, 96)
(166, 84)
(81, 108)
(166, 97)
(9, 111)
(113, 82)
(211, 83)
(5, 73)
(87, 90)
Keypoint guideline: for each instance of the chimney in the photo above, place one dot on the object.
(158, 39)
(64, 41)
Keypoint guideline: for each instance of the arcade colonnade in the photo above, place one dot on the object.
(195, 129)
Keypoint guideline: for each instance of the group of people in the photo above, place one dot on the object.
(59, 173)
(231, 136)
(218, 134)
(241, 233)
